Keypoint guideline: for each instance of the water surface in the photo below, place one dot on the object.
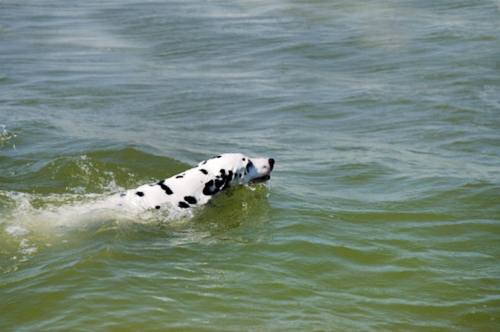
(383, 212)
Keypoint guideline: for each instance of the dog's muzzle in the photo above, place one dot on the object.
(267, 176)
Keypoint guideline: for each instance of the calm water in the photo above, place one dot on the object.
(384, 209)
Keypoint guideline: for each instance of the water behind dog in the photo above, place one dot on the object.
(383, 210)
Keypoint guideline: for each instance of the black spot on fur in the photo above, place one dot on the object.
(218, 157)
(157, 207)
(244, 159)
(183, 205)
(210, 189)
(139, 193)
(123, 194)
(165, 188)
(219, 183)
(222, 181)
(204, 162)
(228, 179)
(190, 199)
(179, 176)
(204, 171)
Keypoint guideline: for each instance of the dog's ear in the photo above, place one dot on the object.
(249, 165)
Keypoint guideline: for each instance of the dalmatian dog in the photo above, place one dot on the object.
(196, 186)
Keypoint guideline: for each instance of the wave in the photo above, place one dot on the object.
(49, 201)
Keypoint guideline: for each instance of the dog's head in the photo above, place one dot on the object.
(234, 168)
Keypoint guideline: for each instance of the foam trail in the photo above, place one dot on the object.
(71, 211)
(30, 222)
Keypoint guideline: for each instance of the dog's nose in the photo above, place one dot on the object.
(271, 163)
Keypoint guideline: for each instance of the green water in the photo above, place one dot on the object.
(383, 213)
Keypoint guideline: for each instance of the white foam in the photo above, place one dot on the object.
(61, 212)
(27, 248)
(35, 221)
(16, 230)
(6, 135)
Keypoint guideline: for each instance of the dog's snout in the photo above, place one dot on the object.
(271, 163)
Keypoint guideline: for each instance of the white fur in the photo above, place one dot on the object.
(196, 186)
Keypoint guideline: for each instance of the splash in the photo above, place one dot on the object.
(6, 136)
(71, 200)
(57, 213)
(34, 222)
